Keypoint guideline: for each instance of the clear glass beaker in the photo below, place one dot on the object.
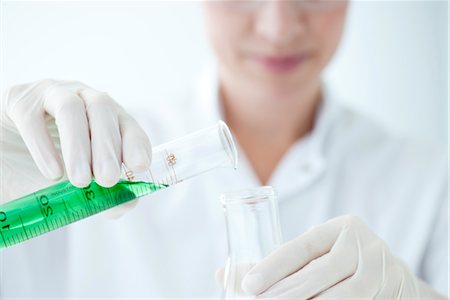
(253, 232)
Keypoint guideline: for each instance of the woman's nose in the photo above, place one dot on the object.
(279, 22)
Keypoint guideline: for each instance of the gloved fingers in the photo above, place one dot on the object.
(292, 256)
(22, 106)
(359, 248)
(70, 117)
(136, 154)
(376, 280)
(346, 289)
(136, 147)
(378, 272)
(33, 129)
(320, 274)
(106, 143)
(364, 284)
(118, 211)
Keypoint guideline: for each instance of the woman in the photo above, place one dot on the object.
(324, 160)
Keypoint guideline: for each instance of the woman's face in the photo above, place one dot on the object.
(274, 46)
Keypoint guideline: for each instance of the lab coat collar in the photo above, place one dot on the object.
(304, 162)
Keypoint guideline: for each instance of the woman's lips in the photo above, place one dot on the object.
(280, 64)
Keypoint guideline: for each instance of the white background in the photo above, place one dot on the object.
(393, 63)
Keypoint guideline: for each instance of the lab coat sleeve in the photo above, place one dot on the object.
(434, 269)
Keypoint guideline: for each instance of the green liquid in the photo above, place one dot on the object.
(61, 204)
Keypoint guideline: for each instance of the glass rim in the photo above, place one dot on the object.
(228, 143)
(248, 196)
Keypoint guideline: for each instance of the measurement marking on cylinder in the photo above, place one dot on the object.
(23, 227)
(4, 242)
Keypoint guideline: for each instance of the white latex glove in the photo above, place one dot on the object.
(93, 133)
(340, 259)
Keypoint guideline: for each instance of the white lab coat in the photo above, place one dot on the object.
(171, 244)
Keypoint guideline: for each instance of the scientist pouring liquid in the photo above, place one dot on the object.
(363, 212)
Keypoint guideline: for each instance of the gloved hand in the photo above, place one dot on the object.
(340, 259)
(93, 133)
